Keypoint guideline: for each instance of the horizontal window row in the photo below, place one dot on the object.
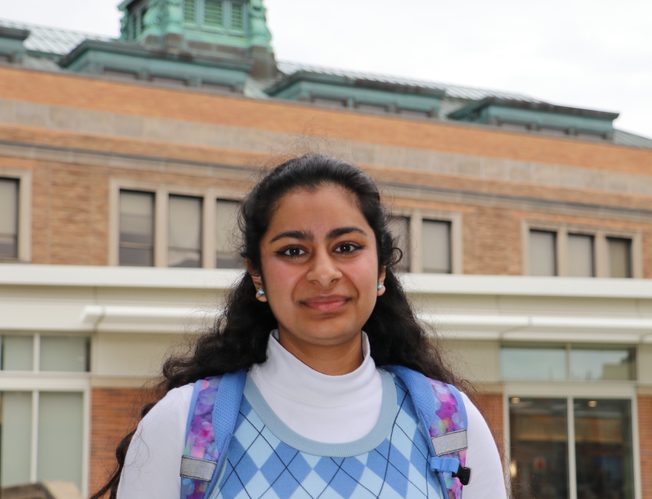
(568, 253)
(179, 230)
(186, 238)
(567, 363)
(36, 352)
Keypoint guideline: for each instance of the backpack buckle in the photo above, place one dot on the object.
(463, 474)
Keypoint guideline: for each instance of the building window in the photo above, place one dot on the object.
(237, 15)
(414, 113)
(543, 251)
(136, 19)
(136, 228)
(541, 447)
(619, 256)
(190, 11)
(42, 430)
(226, 226)
(579, 253)
(549, 432)
(567, 363)
(213, 13)
(229, 14)
(436, 246)
(8, 219)
(53, 353)
(400, 229)
(330, 102)
(45, 422)
(184, 231)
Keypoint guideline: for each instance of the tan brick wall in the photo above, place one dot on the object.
(134, 99)
(645, 439)
(114, 412)
(491, 407)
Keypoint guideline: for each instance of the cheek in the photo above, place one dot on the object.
(279, 279)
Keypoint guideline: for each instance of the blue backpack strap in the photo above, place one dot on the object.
(441, 411)
(212, 416)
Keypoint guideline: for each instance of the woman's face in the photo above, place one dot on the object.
(320, 270)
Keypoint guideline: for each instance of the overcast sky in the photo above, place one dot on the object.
(595, 54)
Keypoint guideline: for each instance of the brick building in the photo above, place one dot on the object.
(526, 229)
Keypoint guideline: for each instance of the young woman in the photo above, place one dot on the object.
(313, 321)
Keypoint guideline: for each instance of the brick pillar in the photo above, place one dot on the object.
(645, 442)
(491, 407)
(114, 412)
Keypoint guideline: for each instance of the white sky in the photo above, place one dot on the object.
(583, 53)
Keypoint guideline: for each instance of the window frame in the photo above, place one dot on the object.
(570, 391)
(600, 252)
(162, 195)
(24, 236)
(415, 234)
(36, 382)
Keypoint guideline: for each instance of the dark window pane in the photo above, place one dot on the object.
(436, 246)
(184, 232)
(226, 235)
(136, 257)
(136, 228)
(400, 228)
(603, 449)
(8, 218)
(543, 260)
(328, 102)
(539, 448)
(580, 255)
(596, 364)
(620, 256)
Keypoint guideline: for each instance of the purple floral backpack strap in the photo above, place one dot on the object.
(449, 438)
(213, 412)
(441, 410)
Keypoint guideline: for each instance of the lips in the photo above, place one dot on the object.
(331, 303)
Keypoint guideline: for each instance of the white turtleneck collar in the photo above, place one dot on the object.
(324, 408)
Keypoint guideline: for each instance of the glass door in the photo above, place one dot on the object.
(547, 435)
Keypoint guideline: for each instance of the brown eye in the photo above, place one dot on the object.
(347, 248)
(292, 252)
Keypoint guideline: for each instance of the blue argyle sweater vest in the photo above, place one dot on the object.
(266, 459)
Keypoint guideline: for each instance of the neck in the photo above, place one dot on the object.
(333, 360)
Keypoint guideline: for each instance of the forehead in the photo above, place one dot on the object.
(323, 205)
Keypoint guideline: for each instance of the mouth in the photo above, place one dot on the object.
(331, 303)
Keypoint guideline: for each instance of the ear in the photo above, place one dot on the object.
(381, 280)
(257, 279)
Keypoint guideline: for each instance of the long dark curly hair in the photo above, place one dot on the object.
(239, 336)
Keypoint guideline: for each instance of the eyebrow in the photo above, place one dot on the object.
(307, 236)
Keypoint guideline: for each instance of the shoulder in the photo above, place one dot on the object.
(174, 404)
(167, 419)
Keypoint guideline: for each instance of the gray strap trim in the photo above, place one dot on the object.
(449, 442)
(198, 469)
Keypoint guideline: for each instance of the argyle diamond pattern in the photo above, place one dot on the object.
(259, 465)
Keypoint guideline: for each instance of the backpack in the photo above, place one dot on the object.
(215, 406)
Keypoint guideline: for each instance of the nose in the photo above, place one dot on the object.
(323, 270)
